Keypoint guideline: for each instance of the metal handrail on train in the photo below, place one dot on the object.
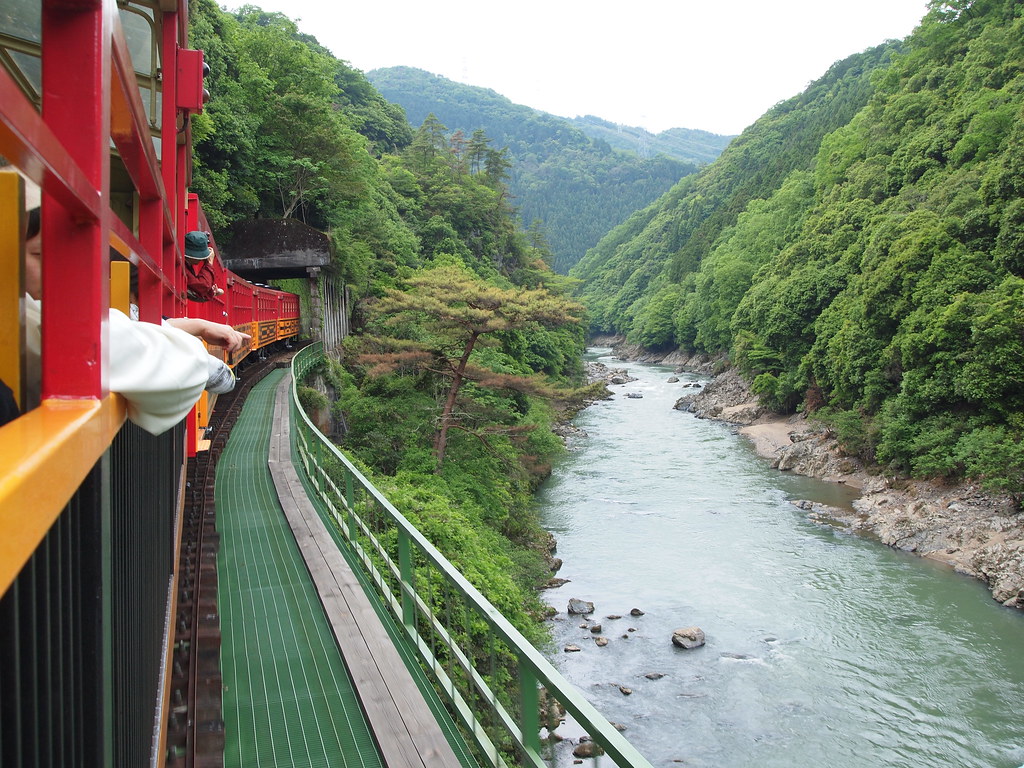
(463, 641)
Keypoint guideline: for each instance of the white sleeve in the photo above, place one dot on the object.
(161, 371)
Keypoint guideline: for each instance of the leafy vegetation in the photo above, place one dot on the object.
(569, 185)
(290, 131)
(859, 250)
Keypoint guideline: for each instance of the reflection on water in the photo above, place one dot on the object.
(823, 648)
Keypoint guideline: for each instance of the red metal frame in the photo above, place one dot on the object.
(90, 99)
(76, 104)
(91, 102)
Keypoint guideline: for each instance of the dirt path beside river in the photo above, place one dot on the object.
(974, 532)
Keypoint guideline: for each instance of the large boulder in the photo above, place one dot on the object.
(587, 749)
(580, 607)
(688, 637)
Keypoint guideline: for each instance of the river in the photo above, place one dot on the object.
(823, 648)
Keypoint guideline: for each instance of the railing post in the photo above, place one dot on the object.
(408, 585)
(76, 106)
(318, 461)
(350, 506)
(529, 696)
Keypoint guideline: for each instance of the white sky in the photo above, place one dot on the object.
(715, 65)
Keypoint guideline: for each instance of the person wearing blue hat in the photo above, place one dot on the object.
(199, 275)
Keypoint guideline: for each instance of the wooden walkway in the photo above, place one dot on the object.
(406, 731)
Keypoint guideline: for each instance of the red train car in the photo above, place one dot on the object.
(95, 104)
(268, 316)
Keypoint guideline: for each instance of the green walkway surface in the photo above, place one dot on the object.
(288, 699)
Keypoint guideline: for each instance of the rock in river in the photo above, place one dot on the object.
(580, 606)
(688, 637)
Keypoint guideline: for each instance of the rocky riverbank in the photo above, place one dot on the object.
(976, 533)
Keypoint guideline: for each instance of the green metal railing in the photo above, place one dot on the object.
(475, 657)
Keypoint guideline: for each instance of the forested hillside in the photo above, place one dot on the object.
(634, 276)
(859, 251)
(466, 340)
(575, 186)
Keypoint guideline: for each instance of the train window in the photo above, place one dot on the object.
(19, 45)
(21, 19)
(21, 22)
(143, 46)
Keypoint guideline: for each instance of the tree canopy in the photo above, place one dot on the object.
(572, 179)
(451, 313)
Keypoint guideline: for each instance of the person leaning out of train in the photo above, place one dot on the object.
(160, 370)
(199, 275)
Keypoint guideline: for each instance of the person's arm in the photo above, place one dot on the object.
(163, 369)
(159, 370)
(219, 334)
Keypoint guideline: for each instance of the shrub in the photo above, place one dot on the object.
(312, 399)
(994, 456)
(855, 432)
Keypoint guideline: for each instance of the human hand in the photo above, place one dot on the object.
(225, 336)
(219, 334)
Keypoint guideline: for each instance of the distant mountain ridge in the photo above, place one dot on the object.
(578, 178)
(683, 143)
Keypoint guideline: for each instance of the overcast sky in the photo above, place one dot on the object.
(716, 65)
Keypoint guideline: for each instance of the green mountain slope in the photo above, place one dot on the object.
(658, 247)
(578, 187)
(880, 280)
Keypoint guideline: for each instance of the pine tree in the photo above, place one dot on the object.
(458, 313)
